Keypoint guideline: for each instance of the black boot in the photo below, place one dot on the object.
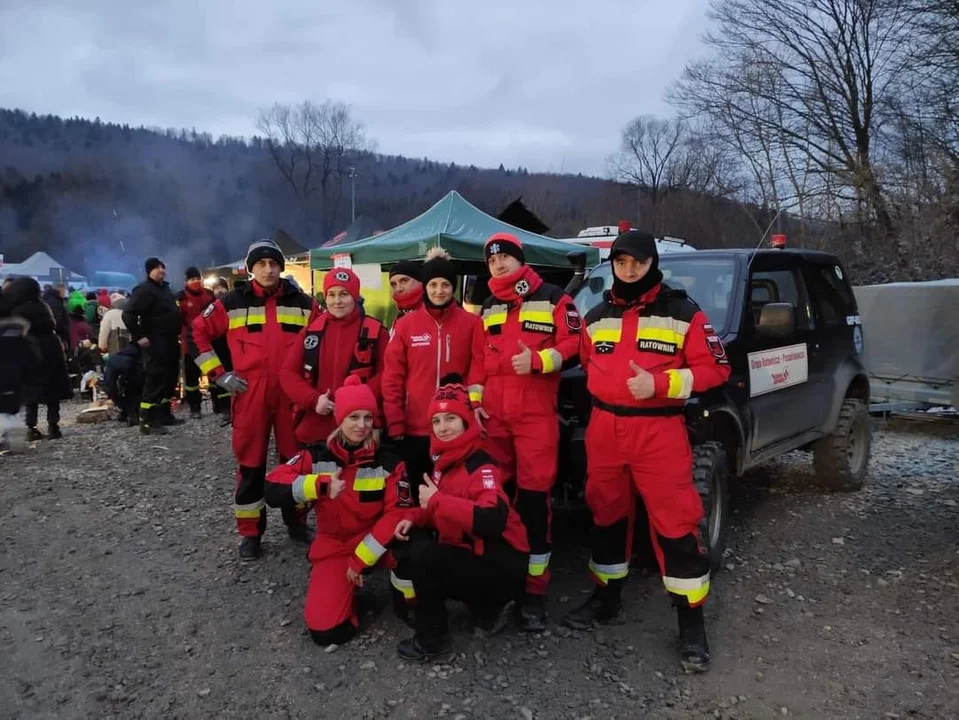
(301, 534)
(493, 621)
(33, 435)
(415, 649)
(166, 418)
(404, 610)
(605, 606)
(250, 549)
(694, 649)
(532, 614)
(53, 432)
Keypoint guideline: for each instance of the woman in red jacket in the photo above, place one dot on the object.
(482, 553)
(341, 342)
(360, 493)
(437, 339)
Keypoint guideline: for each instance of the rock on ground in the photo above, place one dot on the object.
(121, 595)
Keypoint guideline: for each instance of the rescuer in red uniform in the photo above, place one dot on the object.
(427, 344)
(482, 553)
(341, 342)
(532, 328)
(193, 299)
(262, 321)
(645, 349)
(406, 287)
(360, 493)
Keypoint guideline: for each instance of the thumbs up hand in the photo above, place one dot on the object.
(642, 385)
(427, 490)
(523, 362)
(324, 406)
(337, 484)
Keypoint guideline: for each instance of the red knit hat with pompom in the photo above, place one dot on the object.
(352, 396)
(452, 397)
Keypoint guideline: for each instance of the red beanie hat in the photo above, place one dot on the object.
(452, 397)
(352, 396)
(507, 243)
(344, 278)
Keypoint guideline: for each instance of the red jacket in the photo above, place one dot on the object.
(365, 513)
(546, 321)
(471, 508)
(664, 333)
(425, 346)
(340, 355)
(191, 306)
(260, 329)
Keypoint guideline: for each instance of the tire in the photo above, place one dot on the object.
(710, 476)
(841, 460)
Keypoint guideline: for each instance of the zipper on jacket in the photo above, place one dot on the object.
(439, 349)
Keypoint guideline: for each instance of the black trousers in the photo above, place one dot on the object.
(191, 383)
(161, 368)
(53, 414)
(415, 451)
(484, 582)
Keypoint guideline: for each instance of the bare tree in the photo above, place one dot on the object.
(814, 75)
(313, 147)
(662, 156)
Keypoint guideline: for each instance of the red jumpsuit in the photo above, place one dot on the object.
(642, 445)
(523, 426)
(354, 345)
(260, 329)
(354, 529)
(192, 304)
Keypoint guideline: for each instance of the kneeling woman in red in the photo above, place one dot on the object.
(360, 493)
(482, 553)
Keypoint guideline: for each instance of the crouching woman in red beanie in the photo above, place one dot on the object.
(482, 552)
(360, 493)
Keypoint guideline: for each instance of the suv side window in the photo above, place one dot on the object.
(773, 286)
(833, 297)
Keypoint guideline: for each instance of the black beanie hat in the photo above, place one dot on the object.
(152, 264)
(505, 243)
(408, 268)
(440, 267)
(639, 244)
(264, 249)
(192, 272)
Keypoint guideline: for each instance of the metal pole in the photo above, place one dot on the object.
(353, 194)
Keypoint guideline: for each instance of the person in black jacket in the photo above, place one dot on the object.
(53, 297)
(123, 381)
(46, 380)
(15, 356)
(154, 321)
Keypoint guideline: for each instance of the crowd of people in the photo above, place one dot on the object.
(429, 449)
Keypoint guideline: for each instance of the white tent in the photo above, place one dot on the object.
(40, 266)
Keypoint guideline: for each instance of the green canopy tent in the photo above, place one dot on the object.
(457, 226)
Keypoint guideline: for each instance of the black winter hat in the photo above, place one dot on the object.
(407, 267)
(264, 249)
(440, 267)
(639, 244)
(192, 272)
(152, 264)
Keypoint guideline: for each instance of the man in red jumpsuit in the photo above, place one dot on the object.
(261, 322)
(645, 349)
(531, 329)
(193, 300)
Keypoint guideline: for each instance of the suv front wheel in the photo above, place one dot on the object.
(710, 476)
(841, 459)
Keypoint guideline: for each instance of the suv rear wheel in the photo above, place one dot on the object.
(841, 459)
(710, 476)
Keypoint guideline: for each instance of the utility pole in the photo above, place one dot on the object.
(352, 194)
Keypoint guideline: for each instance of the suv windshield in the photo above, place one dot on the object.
(708, 281)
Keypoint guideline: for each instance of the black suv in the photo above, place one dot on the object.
(793, 337)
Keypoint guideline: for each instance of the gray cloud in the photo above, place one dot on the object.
(540, 83)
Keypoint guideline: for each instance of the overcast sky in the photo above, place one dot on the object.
(546, 84)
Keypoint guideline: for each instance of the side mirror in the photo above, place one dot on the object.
(777, 321)
(578, 260)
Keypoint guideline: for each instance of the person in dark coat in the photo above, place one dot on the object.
(46, 381)
(15, 357)
(53, 297)
(123, 380)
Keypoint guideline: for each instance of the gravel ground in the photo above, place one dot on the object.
(121, 595)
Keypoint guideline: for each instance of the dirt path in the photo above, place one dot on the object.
(121, 596)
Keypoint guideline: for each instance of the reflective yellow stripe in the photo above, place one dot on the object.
(605, 330)
(551, 360)
(605, 573)
(694, 590)
(665, 322)
(305, 488)
(247, 316)
(292, 315)
(490, 319)
(660, 335)
(538, 564)
(367, 484)
(249, 511)
(476, 393)
(403, 586)
(680, 383)
(207, 362)
(544, 317)
(146, 405)
(370, 551)
(190, 388)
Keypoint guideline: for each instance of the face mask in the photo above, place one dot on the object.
(194, 284)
